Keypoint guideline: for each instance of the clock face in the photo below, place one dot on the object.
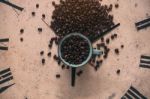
(29, 65)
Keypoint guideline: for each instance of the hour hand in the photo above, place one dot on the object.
(12, 5)
(73, 76)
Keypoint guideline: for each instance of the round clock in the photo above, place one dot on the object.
(30, 32)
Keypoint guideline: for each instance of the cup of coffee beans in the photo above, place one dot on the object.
(76, 50)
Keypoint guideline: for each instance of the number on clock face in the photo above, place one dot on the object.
(5, 76)
(3, 41)
(145, 61)
(133, 93)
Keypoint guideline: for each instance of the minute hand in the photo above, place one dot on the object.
(96, 37)
(12, 5)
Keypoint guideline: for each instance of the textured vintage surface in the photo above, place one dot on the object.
(35, 81)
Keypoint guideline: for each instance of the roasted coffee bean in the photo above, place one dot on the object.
(72, 16)
(40, 29)
(21, 31)
(43, 16)
(116, 5)
(43, 61)
(49, 54)
(42, 52)
(117, 51)
(122, 46)
(118, 71)
(107, 40)
(63, 66)
(37, 5)
(33, 13)
(21, 39)
(79, 72)
(57, 75)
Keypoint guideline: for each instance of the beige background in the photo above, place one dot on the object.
(35, 81)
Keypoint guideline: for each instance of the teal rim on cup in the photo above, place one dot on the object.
(91, 52)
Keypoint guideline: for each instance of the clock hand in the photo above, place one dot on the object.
(142, 24)
(73, 76)
(2, 89)
(96, 37)
(12, 5)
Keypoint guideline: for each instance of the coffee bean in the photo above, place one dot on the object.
(107, 40)
(116, 5)
(49, 54)
(40, 29)
(117, 51)
(42, 52)
(21, 31)
(122, 46)
(118, 71)
(43, 61)
(21, 39)
(33, 13)
(43, 16)
(79, 72)
(37, 5)
(57, 75)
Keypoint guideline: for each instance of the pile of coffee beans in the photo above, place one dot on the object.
(75, 49)
(88, 17)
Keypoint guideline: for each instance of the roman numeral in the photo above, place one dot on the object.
(133, 93)
(145, 61)
(5, 76)
(2, 41)
(12, 5)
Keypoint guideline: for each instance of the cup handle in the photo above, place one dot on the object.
(97, 52)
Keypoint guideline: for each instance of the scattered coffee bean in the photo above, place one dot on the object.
(50, 46)
(118, 71)
(79, 72)
(21, 39)
(43, 61)
(21, 31)
(115, 35)
(57, 75)
(37, 5)
(40, 29)
(43, 16)
(122, 46)
(117, 51)
(33, 13)
(112, 37)
(116, 5)
(63, 66)
(42, 53)
(107, 40)
(49, 54)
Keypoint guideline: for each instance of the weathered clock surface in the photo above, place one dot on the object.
(31, 31)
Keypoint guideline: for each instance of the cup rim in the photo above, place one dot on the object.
(84, 62)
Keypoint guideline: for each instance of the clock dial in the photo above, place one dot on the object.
(133, 93)
(121, 72)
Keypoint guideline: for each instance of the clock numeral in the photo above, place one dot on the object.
(5, 76)
(145, 61)
(4, 47)
(12, 5)
(143, 24)
(133, 93)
